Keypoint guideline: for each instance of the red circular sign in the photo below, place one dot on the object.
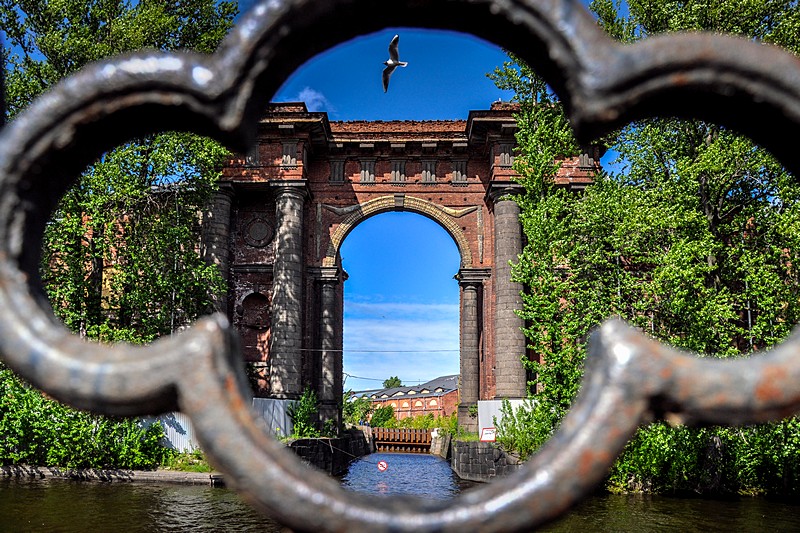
(382, 466)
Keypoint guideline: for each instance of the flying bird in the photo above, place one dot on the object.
(392, 63)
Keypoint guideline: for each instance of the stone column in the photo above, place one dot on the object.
(471, 282)
(510, 343)
(330, 344)
(285, 354)
(216, 237)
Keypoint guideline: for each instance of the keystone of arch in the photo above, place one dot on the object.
(387, 203)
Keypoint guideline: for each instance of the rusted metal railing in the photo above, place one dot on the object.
(604, 85)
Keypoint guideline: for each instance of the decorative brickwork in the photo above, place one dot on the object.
(288, 204)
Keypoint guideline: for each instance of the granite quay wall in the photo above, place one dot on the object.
(481, 461)
(214, 479)
(331, 455)
(440, 444)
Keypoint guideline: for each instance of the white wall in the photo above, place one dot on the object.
(179, 434)
(487, 409)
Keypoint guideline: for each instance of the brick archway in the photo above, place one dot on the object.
(284, 209)
(440, 214)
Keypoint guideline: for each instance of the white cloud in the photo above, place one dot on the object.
(412, 341)
(401, 311)
(315, 100)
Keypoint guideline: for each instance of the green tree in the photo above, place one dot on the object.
(695, 240)
(392, 382)
(356, 411)
(120, 258)
(383, 417)
(544, 138)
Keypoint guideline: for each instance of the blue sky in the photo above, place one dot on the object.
(445, 78)
(401, 301)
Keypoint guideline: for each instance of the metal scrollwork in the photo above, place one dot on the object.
(629, 378)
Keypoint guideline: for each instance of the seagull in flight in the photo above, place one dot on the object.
(392, 63)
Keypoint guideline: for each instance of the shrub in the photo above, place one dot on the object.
(39, 431)
(525, 430)
(303, 412)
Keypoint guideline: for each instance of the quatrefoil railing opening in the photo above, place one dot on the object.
(603, 85)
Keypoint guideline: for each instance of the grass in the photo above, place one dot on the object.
(193, 461)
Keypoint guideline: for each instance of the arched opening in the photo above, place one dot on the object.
(401, 303)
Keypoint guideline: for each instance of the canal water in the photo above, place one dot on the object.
(73, 506)
(423, 475)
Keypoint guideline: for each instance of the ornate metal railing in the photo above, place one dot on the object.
(629, 378)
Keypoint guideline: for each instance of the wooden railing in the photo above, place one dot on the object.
(402, 440)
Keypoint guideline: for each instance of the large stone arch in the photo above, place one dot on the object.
(284, 209)
(442, 215)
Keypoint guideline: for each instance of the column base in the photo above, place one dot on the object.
(329, 418)
(468, 421)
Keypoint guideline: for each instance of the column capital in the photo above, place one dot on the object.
(298, 188)
(472, 276)
(502, 190)
(225, 188)
(324, 274)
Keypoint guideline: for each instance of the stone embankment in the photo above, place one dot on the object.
(472, 460)
(481, 461)
(97, 474)
(332, 455)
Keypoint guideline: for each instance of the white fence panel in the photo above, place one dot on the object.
(179, 435)
(489, 409)
(178, 432)
(275, 415)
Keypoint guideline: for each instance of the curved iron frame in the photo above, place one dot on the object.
(604, 85)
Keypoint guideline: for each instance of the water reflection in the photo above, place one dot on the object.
(74, 506)
(642, 513)
(77, 506)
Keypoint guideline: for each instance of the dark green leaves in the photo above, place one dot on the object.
(121, 255)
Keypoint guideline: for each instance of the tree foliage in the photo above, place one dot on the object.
(121, 255)
(694, 239)
(383, 417)
(392, 382)
(356, 410)
(35, 430)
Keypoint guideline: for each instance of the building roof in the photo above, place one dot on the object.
(435, 387)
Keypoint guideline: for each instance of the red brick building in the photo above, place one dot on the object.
(438, 397)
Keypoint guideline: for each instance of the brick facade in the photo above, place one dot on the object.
(438, 397)
(291, 201)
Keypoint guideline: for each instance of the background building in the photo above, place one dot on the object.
(438, 397)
